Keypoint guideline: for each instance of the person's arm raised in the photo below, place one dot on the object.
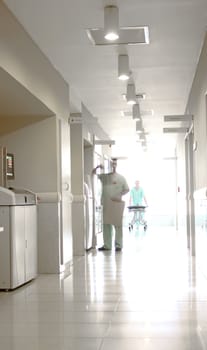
(100, 166)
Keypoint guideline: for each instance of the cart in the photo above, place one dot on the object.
(138, 217)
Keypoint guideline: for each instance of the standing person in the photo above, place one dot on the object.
(114, 186)
(137, 198)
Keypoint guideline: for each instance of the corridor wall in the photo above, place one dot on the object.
(41, 150)
(197, 106)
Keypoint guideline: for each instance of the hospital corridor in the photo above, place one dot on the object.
(153, 295)
(103, 175)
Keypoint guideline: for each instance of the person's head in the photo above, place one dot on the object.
(114, 164)
(137, 183)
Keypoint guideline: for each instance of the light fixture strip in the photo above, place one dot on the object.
(136, 111)
(139, 127)
(131, 94)
(123, 67)
(175, 130)
(176, 118)
(111, 23)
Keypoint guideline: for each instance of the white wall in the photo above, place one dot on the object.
(39, 168)
(197, 106)
(40, 149)
(35, 156)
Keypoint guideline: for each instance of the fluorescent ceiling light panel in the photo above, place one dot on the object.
(178, 118)
(138, 35)
(126, 113)
(150, 112)
(104, 142)
(111, 23)
(140, 96)
(123, 67)
(175, 130)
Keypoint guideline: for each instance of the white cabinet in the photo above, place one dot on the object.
(18, 245)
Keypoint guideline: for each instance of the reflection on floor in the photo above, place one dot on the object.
(150, 296)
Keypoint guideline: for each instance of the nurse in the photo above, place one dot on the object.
(137, 198)
(114, 186)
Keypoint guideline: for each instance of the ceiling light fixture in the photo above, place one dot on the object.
(175, 130)
(139, 96)
(178, 118)
(104, 142)
(131, 94)
(111, 23)
(123, 67)
(136, 111)
(139, 127)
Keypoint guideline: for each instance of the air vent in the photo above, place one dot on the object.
(127, 36)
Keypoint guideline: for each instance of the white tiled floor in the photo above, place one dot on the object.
(150, 296)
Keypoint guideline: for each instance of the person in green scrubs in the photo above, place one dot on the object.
(114, 186)
(137, 198)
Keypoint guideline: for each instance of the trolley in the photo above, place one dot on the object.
(138, 217)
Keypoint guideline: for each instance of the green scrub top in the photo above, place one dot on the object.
(137, 195)
(113, 185)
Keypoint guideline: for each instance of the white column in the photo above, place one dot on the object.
(77, 180)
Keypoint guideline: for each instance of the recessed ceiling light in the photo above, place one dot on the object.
(127, 36)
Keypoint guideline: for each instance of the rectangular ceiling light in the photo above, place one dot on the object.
(143, 113)
(178, 118)
(104, 142)
(175, 130)
(127, 36)
(126, 113)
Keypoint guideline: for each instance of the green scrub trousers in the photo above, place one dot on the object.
(108, 234)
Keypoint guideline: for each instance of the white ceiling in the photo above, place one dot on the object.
(164, 69)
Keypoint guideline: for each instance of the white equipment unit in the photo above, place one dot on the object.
(18, 237)
(88, 217)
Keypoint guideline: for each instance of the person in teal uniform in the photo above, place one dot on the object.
(114, 186)
(137, 198)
